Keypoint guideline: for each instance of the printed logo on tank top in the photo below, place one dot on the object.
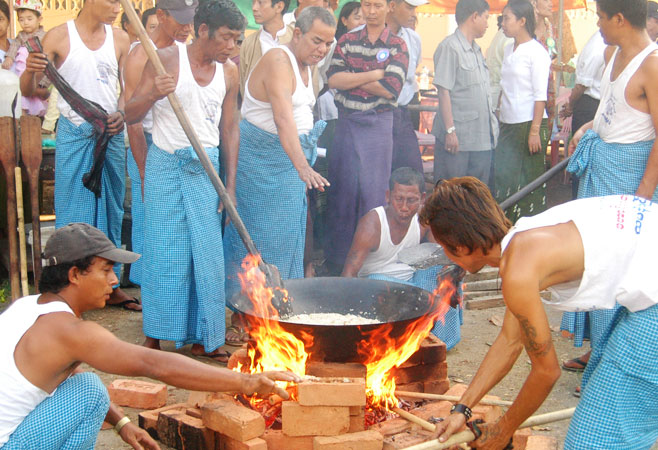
(211, 108)
(641, 207)
(105, 72)
(610, 110)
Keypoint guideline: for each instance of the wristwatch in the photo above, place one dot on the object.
(451, 130)
(462, 409)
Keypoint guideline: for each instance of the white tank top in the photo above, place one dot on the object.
(203, 106)
(147, 121)
(620, 238)
(19, 397)
(260, 113)
(616, 121)
(93, 74)
(385, 260)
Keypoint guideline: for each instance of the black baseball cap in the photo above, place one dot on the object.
(181, 10)
(652, 10)
(80, 240)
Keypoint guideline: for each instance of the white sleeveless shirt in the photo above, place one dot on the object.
(385, 260)
(620, 238)
(94, 74)
(147, 121)
(19, 397)
(260, 113)
(616, 121)
(203, 105)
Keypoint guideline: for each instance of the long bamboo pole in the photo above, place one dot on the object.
(449, 398)
(468, 436)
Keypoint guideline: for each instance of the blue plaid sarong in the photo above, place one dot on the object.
(183, 268)
(619, 404)
(137, 212)
(603, 169)
(450, 331)
(271, 200)
(70, 419)
(74, 156)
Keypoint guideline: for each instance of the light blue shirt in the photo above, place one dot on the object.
(410, 86)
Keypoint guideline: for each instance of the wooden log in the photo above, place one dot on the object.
(450, 398)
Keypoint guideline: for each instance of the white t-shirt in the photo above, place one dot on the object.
(267, 41)
(524, 81)
(590, 66)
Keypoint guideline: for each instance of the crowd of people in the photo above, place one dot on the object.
(263, 104)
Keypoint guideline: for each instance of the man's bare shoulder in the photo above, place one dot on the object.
(121, 38)
(137, 56)
(369, 227)
(650, 68)
(56, 38)
(275, 59)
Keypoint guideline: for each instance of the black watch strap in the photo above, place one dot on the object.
(462, 409)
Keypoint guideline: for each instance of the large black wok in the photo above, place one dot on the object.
(387, 302)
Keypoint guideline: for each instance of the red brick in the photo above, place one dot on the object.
(332, 392)
(436, 386)
(239, 357)
(364, 440)
(410, 387)
(357, 423)
(432, 350)
(178, 430)
(198, 398)
(276, 440)
(235, 421)
(227, 443)
(301, 420)
(489, 414)
(138, 394)
(148, 420)
(520, 438)
(333, 369)
(423, 372)
(357, 410)
(406, 439)
(433, 409)
(457, 389)
(391, 427)
(537, 442)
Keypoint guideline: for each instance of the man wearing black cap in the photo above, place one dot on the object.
(45, 401)
(175, 19)
(652, 20)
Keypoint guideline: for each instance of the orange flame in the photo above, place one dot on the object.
(383, 352)
(276, 349)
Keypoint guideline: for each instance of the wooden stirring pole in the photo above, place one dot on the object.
(31, 155)
(22, 245)
(8, 160)
(449, 398)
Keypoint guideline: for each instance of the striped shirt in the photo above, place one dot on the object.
(355, 53)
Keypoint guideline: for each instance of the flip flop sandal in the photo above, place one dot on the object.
(578, 361)
(242, 336)
(124, 304)
(219, 356)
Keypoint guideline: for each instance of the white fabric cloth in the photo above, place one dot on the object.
(203, 106)
(94, 74)
(590, 65)
(260, 113)
(616, 121)
(267, 41)
(524, 81)
(385, 260)
(289, 18)
(410, 86)
(19, 397)
(620, 238)
(147, 121)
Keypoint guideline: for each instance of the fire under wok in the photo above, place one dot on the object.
(387, 302)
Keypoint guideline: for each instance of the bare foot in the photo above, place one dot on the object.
(152, 343)
(120, 298)
(221, 356)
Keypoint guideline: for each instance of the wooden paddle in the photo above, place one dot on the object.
(31, 156)
(22, 245)
(8, 160)
(271, 272)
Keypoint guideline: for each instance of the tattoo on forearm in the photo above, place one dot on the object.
(530, 334)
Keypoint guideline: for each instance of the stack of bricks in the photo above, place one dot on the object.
(426, 370)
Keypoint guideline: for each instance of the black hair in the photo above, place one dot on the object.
(4, 8)
(466, 8)
(635, 11)
(55, 278)
(345, 12)
(217, 14)
(407, 176)
(37, 13)
(146, 14)
(286, 4)
(499, 21)
(125, 21)
(523, 9)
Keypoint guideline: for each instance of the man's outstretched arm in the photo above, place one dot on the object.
(366, 240)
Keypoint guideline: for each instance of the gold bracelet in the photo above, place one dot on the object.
(121, 423)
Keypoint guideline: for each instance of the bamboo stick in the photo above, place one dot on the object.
(468, 436)
(414, 419)
(22, 246)
(449, 398)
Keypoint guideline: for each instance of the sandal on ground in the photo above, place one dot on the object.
(574, 365)
(131, 304)
(220, 356)
(576, 392)
(236, 336)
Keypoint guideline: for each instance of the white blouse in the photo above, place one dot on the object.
(524, 81)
